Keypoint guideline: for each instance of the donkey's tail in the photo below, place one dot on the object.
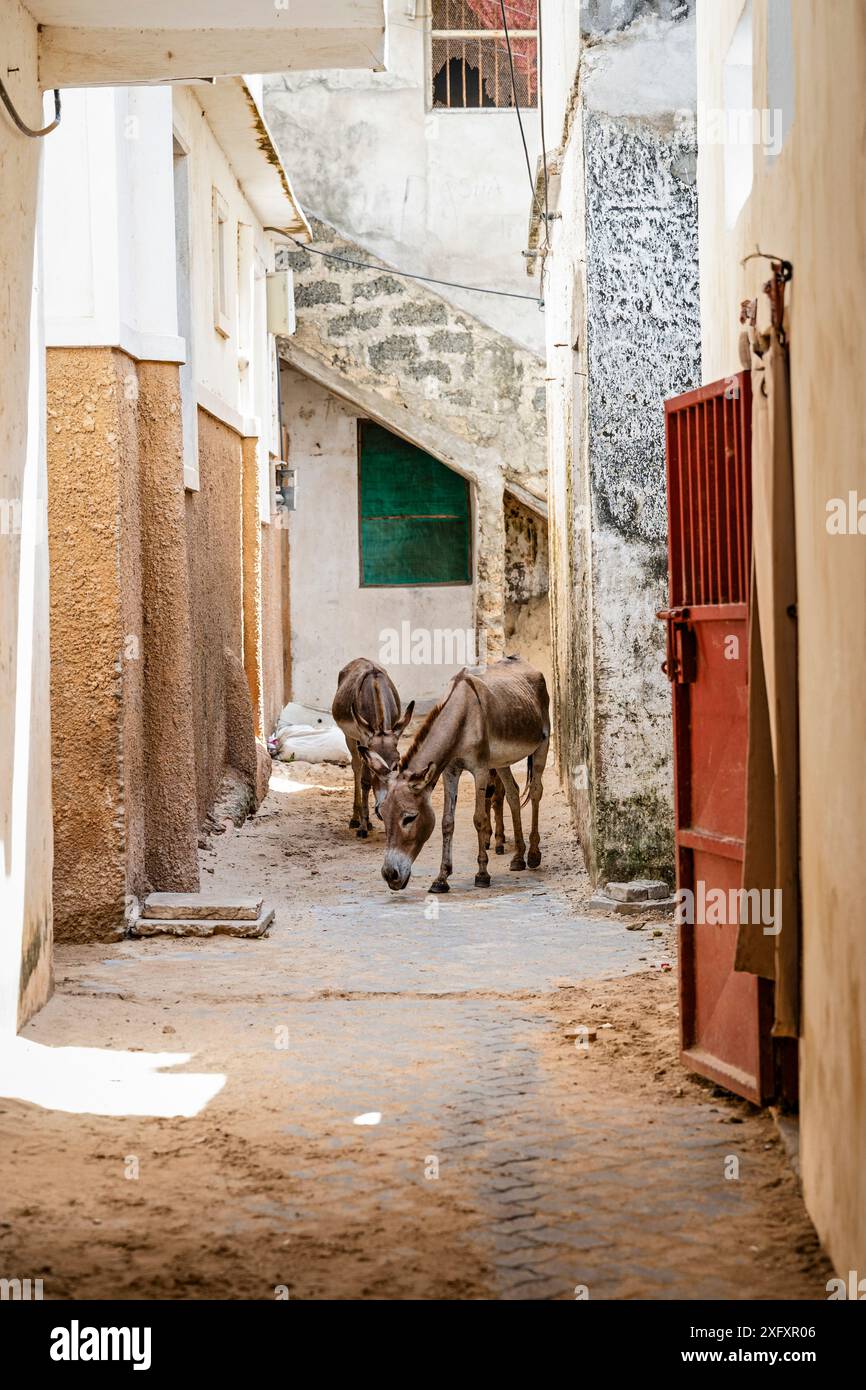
(526, 789)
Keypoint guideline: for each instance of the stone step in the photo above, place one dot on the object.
(638, 890)
(187, 906)
(202, 926)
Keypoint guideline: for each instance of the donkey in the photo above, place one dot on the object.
(367, 709)
(484, 723)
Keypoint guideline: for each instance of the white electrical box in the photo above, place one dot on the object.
(281, 303)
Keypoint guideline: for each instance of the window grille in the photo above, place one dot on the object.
(469, 54)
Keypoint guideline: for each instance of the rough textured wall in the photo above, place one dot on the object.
(96, 673)
(335, 617)
(643, 344)
(214, 541)
(169, 779)
(275, 539)
(623, 333)
(455, 387)
(527, 571)
(527, 585)
(441, 192)
(124, 779)
(435, 368)
(252, 582)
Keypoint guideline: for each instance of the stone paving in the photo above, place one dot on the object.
(505, 1163)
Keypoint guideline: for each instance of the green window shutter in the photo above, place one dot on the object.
(414, 514)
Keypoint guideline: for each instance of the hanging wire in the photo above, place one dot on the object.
(541, 119)
(517, 105)
(404, 274)
(25, 129)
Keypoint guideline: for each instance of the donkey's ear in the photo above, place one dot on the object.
(373, 761)
(360, 721)
(424, 779)
(400, 724)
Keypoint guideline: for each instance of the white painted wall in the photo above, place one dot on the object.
(445, 193)
(109, 224)
(25, 738)
(333, 618)
(110, 252)
(242, 395)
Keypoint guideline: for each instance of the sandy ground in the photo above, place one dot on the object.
(506, 1161)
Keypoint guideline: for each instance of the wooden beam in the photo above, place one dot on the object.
(118, 57)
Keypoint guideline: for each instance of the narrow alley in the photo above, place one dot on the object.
(507, 1162)
(432, 645)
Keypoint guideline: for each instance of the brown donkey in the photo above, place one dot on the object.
(367, 709)
(485, 723)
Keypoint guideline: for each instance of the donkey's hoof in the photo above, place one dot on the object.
(362, 833)
(517, 864)
(440, 886)
(354, 823)
(500, 849)
(482, 880)
(533, 858)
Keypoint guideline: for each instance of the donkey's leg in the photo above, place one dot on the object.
(366, 785)
(480, 821)
(449, 787)
(498, 803)
(357, 768)
(512, 791)
(489, 794)
(536, 788)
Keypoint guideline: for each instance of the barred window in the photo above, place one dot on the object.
(469, 53)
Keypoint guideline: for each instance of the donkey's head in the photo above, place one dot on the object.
(379, 746)
(409, 818)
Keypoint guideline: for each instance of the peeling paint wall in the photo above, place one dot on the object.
(333, 617)
(527, 586)
(404, 356)
(441, 192)
(623, 333)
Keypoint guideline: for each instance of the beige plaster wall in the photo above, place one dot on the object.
(96, 629)
(122, 747)
(275, 621)
(214, 530)
(807, 205)
(169, 786)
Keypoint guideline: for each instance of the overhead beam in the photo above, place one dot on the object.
(78, 57)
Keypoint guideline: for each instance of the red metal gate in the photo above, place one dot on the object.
(725, 1015)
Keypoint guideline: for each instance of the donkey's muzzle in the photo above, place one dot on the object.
(396, 871)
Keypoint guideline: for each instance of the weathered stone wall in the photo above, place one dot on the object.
(443, 192)
(623, 333)
(527, 586)
(643, 345)
(404, 356)
(433, 367)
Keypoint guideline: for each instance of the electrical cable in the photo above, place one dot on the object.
(541, 117)
(517, 107)
(404, 274)
(25, 129)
